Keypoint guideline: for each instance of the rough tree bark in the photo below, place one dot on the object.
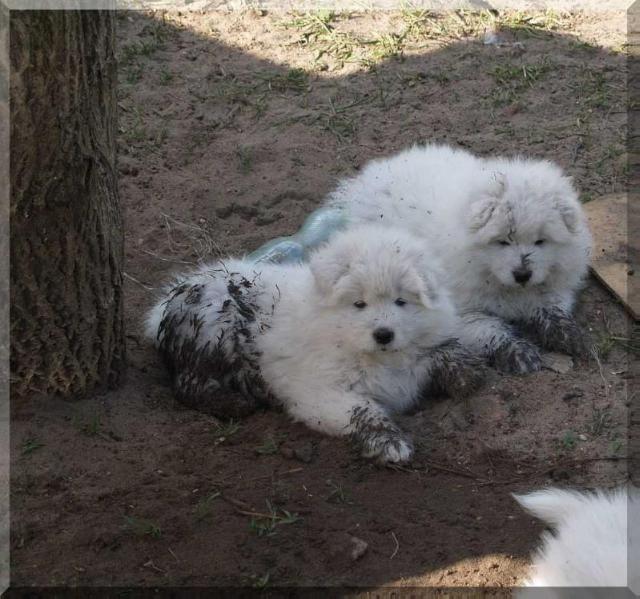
(67, 333)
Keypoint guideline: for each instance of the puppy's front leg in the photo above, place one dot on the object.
(495, 339)
(347, 413)
(555, 329)
(454, 370)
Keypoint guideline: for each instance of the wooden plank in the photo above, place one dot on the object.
(616, 248)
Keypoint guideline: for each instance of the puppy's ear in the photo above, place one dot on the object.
(423, 284)
(569, 214)
(428, 294)
(328, 266)
(566, 202)
(482, 209)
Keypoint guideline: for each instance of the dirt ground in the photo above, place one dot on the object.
(232, 128)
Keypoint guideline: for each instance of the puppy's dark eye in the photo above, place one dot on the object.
(540, 241)
(504, 243)
(400, 302)
(360, 304)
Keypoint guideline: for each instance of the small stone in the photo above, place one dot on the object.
(304, 453)
(582, 437)
(359, 548)
(557, 362)
(573, 394)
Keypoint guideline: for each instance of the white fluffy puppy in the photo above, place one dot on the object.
(595, 538)
(510, 233)
(362, 331)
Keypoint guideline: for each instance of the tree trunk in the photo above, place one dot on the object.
(67, 332)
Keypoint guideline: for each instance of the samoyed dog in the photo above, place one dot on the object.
(365, 329)
(595, 543)
(510, 234)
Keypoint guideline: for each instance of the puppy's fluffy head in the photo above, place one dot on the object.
(527, 226)
(379, 291)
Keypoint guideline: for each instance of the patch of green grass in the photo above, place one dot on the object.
(235, 91)
(610, 153)
(600, 421)
(227, 429)
(388, 45)
(260, 582)
(579, 44)
(630, 344)
(30, 445)
(336, 116)
(512, 80)
(129, 52)
(607, 340)
(415, 19)
(604, 345)
(132, 73)
(245, 157)
(586, 196)
(531, 24)
(441, 77)
(204, 507)
(340, 125)
(593, 90)
(318, 33)
(142, 527)
(154, 38)
(91, 424)
(88, 421)
(294, 79)
(160, 137)
(312, 25)
(136, 132)
(616, 446)
(447, 25)
(338, 494)
(505, 129)
(166, 76)
(266, 527)
(270, 445)
(519, 76)
(568, 440)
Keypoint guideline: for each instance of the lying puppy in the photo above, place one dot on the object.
(362, 331)
(595, 537)
(510, 234)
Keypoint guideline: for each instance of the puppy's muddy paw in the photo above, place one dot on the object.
(568, 340)
(557, 331)
(517, 357)
(465, 378)
(397, 452)
(389, 449)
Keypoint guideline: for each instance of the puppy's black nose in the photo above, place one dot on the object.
(522, 275)
(383, 335)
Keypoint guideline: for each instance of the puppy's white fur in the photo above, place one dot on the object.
(592, 543)
(469, 208)
(294, 332)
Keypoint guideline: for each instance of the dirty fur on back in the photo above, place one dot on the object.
(363, 331)
(201, 365)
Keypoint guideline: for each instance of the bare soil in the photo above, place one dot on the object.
(232, 128)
